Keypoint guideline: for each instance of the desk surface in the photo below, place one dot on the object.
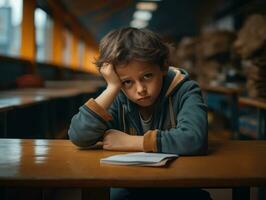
(59, 163)
(258, 103)
(7, 103)
(23, 97)
(46, 92)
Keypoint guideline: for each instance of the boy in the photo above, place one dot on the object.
(146, 106)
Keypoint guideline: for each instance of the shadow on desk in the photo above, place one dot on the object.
(98, 145)
(214, 145)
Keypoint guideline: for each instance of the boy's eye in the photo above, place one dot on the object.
(148, 76)
(127, 83)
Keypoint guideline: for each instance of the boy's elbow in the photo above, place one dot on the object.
(188, 143)
(81, 133)
(200, 146)
(83, 139)
(73, 137)
(78, 139)
(196, 144)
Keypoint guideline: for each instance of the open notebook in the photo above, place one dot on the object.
(139, 159)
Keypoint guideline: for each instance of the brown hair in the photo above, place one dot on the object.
(123, 45)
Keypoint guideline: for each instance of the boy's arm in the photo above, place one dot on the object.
(114, 139)
(190, 136)
(89, 124)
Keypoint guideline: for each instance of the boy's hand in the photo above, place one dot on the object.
(109, 74)
(106, 98)
(119, 141)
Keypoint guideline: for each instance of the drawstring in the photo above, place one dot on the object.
(132, 131)
(171, 111)
(123, 118)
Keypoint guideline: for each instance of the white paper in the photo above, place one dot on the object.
(140, 158)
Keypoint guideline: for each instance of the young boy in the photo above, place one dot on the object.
(146, 105)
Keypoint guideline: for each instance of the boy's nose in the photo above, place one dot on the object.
(141, 89)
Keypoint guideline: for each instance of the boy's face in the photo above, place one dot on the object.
(141, 82)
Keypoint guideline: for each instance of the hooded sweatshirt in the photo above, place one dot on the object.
(179, 120)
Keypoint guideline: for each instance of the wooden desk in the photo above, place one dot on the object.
(46, 92)
(67, 99)
(260, 104)
(11, 102)
(58, 163)
(232, 93)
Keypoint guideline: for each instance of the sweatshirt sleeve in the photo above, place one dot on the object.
(190, 136)
(90, 123)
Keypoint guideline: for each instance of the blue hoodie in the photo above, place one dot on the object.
(179, 122)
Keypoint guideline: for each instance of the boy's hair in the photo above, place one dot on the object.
(123, 45)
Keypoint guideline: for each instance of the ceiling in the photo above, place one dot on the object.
(173, 19)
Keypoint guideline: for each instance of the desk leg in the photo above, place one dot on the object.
(241, 193)
(95, 193)
(261, 131)
(3, 124)
(262, 193)
(234, 116)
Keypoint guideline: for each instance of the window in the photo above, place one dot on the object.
(81, 48)
(67, 47)
(43, 28)
(10, 27)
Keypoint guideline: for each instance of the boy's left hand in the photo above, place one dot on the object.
(119, 141)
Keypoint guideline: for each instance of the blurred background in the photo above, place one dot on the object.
(47, 50)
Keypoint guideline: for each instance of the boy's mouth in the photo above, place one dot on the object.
(144, 98)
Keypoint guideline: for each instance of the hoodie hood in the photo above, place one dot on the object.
(174, 77)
